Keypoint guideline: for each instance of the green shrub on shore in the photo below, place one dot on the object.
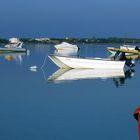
(93, 40)
(3, 41)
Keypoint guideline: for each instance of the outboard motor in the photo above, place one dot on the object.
(130, 62)
(121, 56)
(78, 48)
(137, 48)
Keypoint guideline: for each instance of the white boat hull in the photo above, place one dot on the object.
(66, 46)
(128, 47)
(65, 52)
(11, 50)
(70, 62)
(14, 45)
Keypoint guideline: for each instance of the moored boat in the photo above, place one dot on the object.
(14, 46)
(77, 62)
(66, 46)
(14, 43)
(128, 49)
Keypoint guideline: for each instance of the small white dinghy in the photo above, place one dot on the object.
(66, 46)
(95, 63)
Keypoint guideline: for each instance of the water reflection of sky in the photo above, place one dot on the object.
(33, 108)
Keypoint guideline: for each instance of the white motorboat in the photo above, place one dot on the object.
(80, 74)
(14, 45)
(66, 46)
(128, 49)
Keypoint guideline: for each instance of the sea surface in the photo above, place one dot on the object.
(40, 102)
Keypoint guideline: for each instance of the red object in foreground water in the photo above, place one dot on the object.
(137, 117)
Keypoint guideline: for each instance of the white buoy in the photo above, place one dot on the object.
(33, 68)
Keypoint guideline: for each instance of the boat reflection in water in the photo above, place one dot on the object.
(137, 117)
(79, 74)
(120, 81)
(13, 57)
(117, 75)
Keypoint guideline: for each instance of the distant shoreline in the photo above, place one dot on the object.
(111, 40)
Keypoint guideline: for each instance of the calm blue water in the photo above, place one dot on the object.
(31, 107)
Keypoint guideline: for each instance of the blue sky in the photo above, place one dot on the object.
(69, 18)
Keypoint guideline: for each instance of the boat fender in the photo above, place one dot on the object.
(137, 113)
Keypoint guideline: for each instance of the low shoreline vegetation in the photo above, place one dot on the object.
(94, 40)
